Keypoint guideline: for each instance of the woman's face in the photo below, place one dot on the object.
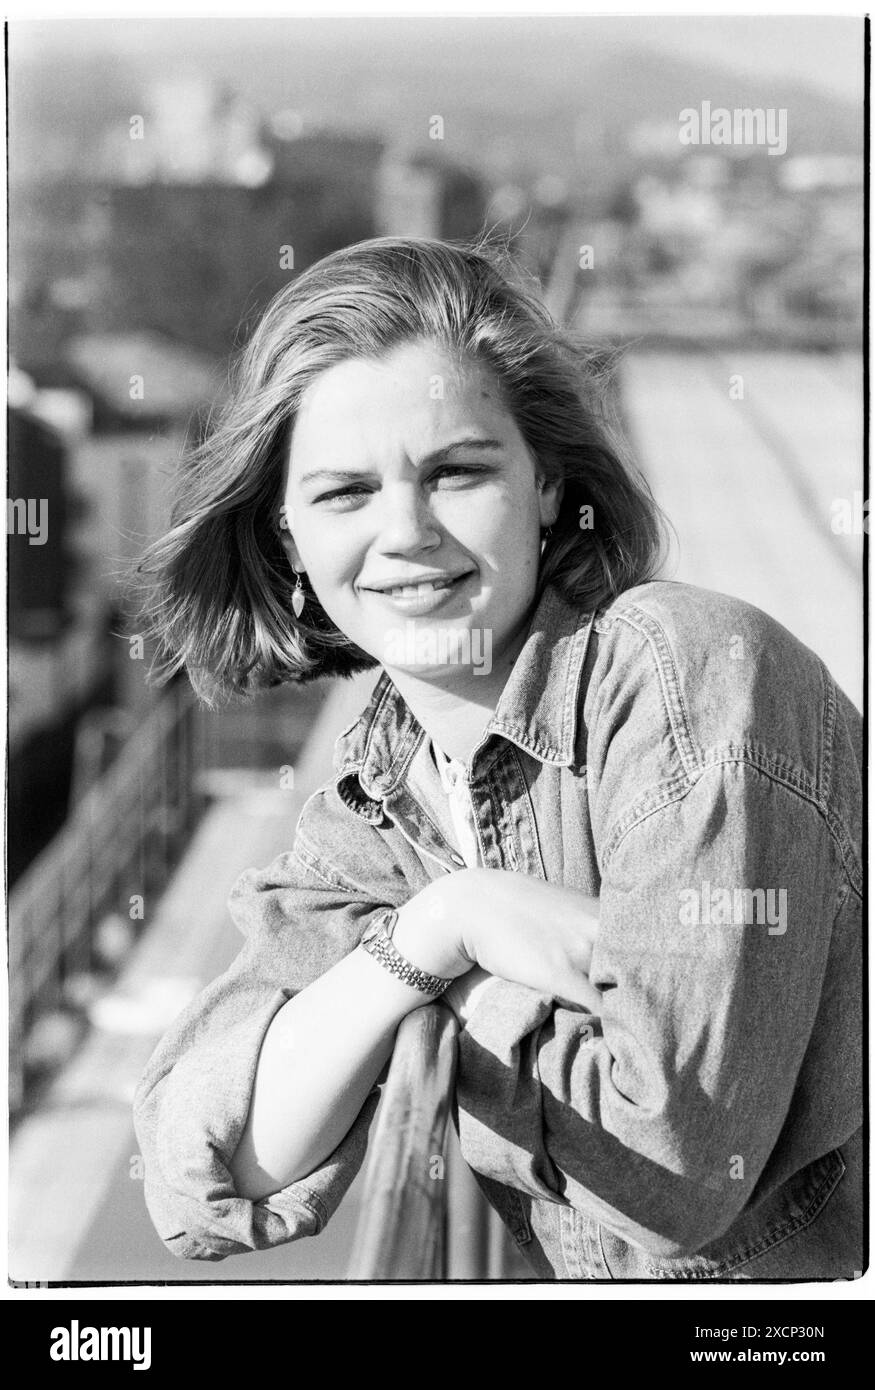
(415, 508)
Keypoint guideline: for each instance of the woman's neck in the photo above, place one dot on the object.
(454, 712)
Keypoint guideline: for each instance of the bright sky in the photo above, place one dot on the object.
(827, 53)
(823, 51)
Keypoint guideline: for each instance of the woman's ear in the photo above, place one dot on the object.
(288, 543)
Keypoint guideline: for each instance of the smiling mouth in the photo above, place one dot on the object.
(425, 586)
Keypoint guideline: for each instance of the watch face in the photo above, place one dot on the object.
(375, 927)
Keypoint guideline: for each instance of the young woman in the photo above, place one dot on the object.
(613, 821)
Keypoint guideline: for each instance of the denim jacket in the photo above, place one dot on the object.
(681, 756)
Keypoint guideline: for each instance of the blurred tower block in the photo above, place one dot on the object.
(198, 261)
(174, 380)
(422, 194)
(193, 131)
(148, 396)
(409, 199)
(337, 158)
(36, 499)
(58, 661)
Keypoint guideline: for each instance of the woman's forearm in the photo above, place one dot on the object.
(325, 1049)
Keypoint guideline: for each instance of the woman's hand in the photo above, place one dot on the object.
(465, 992)
(429, 935)
(519, 928)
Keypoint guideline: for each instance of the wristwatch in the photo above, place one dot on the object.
(377, 941)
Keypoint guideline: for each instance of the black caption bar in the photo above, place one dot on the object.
(162, 1333)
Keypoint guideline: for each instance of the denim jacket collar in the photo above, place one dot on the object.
(537, 710)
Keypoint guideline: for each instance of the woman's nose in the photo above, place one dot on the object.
(406, 521)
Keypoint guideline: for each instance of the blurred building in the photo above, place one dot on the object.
(192, 228)
(705, 246)
(129, 286)
(148, 395)
(421, 194)
(189, 131)
(60, 661)
(90, 468)
(154, 260)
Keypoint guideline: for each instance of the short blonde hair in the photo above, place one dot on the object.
(219, 583)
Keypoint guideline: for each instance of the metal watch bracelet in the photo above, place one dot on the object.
(378, 943)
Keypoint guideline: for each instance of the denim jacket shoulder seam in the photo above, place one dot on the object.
(852, 885)
(655, 635)
(853, 869)
(837, 826)
(828, 725)
(784, 772)
(654, 799)
(651, 801)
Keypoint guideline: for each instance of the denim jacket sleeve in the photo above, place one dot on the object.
(299, 916)
(725, 861)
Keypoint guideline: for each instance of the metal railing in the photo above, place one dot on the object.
(116, 849)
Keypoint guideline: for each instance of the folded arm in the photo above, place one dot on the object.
(325, 1048)
(300, 917)
(254, 1110)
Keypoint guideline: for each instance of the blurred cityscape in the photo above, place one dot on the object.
(153, 217)
(157, 205)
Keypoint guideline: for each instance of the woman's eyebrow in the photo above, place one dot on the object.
(337, 474)
(437, 456)
(475, 442)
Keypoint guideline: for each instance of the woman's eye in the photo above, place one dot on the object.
(351, 490)
(459, 470)
(451, 473)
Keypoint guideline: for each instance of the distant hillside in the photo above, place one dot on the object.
(513, 94)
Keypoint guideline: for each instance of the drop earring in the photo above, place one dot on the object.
(298, 595)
